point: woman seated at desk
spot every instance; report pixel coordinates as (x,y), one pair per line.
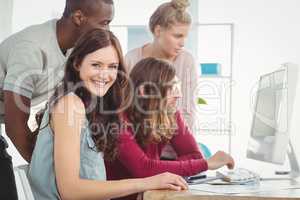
(152,121)
(67,161)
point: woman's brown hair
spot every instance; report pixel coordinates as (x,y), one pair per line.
(105,138)
(148,113)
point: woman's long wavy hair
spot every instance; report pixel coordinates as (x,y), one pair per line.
(148,113)
(104,138)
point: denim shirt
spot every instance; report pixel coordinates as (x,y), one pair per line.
(41,171)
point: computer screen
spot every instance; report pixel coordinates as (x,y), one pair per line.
(270,100)
(273,112)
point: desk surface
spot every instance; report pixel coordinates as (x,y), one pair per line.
(289,194)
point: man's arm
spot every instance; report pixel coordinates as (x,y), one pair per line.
(17,111)
(24,65)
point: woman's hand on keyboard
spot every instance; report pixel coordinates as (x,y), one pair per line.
(220,159)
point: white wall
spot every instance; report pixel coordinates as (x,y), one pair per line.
(6,8)
(266,34)
(137,12)
(26,13)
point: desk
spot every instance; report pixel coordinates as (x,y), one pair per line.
(290,194)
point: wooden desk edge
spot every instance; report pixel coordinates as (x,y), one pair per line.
(189,195)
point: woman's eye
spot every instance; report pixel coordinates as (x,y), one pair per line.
(113,66)
(105,23)
(95,65)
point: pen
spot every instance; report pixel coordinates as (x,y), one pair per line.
(191,178)
(204,180)
(196,177)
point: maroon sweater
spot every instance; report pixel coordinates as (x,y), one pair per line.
(136,162)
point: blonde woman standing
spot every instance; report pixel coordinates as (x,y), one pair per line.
(170,24)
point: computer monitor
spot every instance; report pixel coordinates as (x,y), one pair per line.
(274,118)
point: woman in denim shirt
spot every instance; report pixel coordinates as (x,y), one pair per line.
(80,123)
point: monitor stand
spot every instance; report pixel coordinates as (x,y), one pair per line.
(294,173)
(294,164)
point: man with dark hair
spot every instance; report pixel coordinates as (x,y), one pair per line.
(31,65)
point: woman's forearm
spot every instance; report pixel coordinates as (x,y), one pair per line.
(89,190)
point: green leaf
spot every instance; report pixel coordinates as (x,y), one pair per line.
(201,101)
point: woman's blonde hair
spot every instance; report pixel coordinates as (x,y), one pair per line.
(169,13)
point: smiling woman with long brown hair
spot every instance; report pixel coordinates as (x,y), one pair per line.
(67,161)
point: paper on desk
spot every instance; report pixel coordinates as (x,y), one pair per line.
(240,189)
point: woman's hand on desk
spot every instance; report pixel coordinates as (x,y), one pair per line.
(220,159)
(165,181)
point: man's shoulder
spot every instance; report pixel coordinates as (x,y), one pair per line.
(37,34)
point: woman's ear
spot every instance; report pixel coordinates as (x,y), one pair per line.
(76,65)
(157,30)
(78,18)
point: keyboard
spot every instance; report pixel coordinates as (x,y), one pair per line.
(239,176)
